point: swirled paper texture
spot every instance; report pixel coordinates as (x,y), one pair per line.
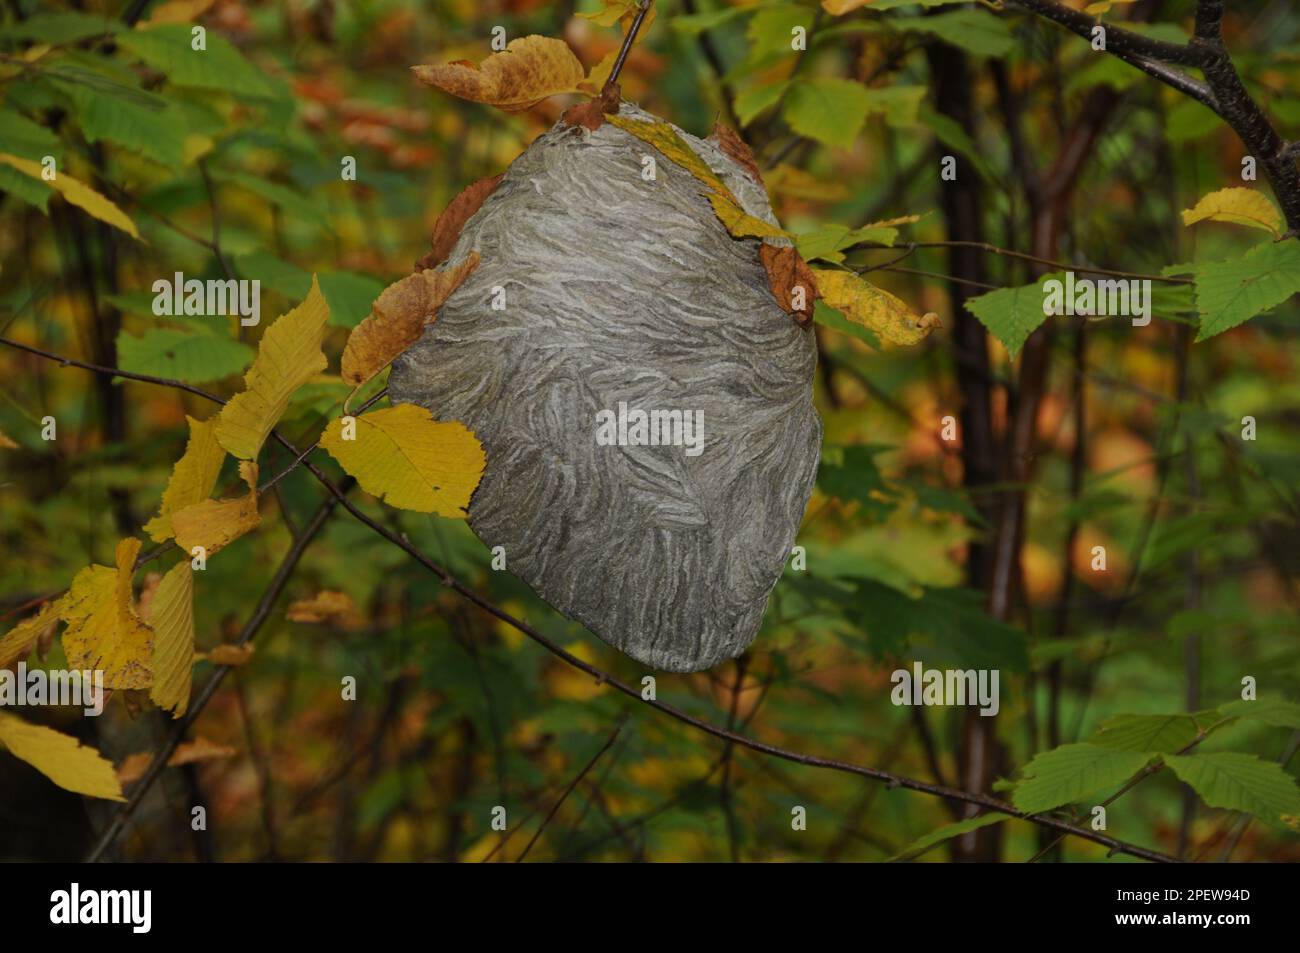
(623,290)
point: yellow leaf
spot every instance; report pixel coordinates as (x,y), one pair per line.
(215,524)
(77,193)
(7,442)
(740,223)
(599,74)
(177,11)
(61,758)
(410,460)
(103,630)
(290,353)
(192,478)
(398,317)
(18,641)
(664,137)
(1238,206)
(328,605)
(530,69)
(862,303)
(622,12)
(171,616)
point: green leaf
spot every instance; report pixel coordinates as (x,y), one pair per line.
(349,296)
(219,67)
(182,355)
(1229,293)
(829,110)
(1241,782)
(1071,772)
(951,134)
(850,473)
(24,137)
(940,627)
(1161,734)
(976,31)
(1281,714)
(900,104)
(1011,314)
(60,28)
(154,131)
(290,200)
(770,31)
(24,187)
(696,23)
(754,101)
(947,832)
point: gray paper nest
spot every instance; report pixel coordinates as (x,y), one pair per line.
(619,289)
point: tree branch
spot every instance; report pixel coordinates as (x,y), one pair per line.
(601,677)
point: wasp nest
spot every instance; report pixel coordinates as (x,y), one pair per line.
(608,288)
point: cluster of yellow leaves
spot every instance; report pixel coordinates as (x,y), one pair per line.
(665,139)
(76,192)
(1240,207)
(861,302)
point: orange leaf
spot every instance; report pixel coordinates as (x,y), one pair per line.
(529,70)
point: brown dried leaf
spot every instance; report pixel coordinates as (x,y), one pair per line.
(729,141)
(530,69)
(453,218)
(791,280)
(133,766)
(398,317)
(591,114)
(232,655)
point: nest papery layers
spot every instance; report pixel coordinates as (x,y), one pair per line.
(623,290)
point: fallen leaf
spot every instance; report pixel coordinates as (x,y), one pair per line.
(398,317)
(591,114)
(453,218)
(863,303)
(215,524)
(77,193)
(192,479)
(791,280)
(729,141)
(232,655)
(328,605)
(1238,206)
(171,615)
(61,758)
(530,69)
(103,630)
(289,354)
(410,460)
